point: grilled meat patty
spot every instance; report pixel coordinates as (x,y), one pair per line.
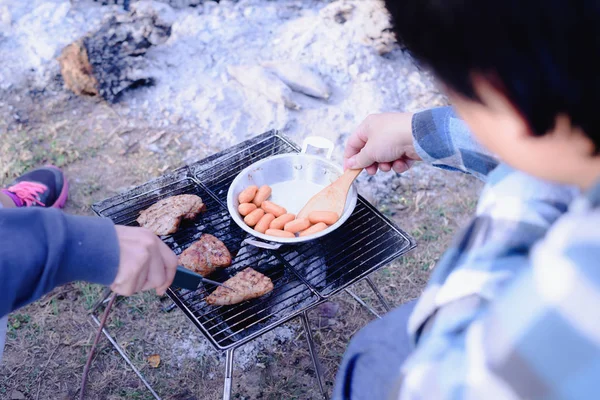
(205,255)
(247,284)
(164,217)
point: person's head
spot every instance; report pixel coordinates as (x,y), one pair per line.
(525,76)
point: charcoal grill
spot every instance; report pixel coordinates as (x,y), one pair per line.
(303,275)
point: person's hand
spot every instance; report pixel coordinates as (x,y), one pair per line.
(382,141)
(145,262)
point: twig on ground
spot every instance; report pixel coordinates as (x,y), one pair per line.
(88,364)
(41,375)
(14,371)
(130,149)
(49,299)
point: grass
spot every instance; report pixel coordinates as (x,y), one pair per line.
(28,149)
(48,340)
(89,292)
(17,321)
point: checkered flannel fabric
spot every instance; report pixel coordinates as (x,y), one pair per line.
(512,310)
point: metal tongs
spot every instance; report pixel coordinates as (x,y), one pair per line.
(187,279)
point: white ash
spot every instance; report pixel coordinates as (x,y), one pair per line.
(194,346)
(337,39)
(32,34)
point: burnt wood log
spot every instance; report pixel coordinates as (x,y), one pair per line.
(109,61)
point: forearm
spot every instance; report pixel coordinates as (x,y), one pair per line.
(442,139)
(41,249)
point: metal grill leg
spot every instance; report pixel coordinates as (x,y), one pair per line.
(313,354)
(362,303)
(124,356)
(228,374)
(103,299)
(379,295)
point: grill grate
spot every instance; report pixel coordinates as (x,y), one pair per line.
(303,276)
(217,172)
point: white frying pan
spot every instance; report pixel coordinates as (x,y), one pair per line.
(294,179)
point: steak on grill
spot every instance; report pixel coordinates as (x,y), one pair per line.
(205,255)
(164,217)
(247,284)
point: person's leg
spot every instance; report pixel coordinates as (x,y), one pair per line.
(372,361)
(41,187)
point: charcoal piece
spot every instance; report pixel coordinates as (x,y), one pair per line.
(124,3)
(110,60)
(172,3)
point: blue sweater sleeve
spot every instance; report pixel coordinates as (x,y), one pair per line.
(442,139)
(44,248)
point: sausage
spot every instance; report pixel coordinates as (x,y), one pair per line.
(264,223)
(279,233)
(314,229)
(263,194)
(297,225)
(246,208)
(255,216)
(247,195)
(279,222)
(329,217)
(273,208)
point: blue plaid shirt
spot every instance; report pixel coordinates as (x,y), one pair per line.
(512,310)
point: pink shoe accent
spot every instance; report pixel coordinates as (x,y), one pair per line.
(28,193)
(64,193)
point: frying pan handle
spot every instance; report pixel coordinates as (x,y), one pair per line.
(320,143)
(262,245)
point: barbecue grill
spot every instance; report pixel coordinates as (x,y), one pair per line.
(304,276)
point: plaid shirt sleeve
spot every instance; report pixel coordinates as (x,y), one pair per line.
(443,140)
(511,310)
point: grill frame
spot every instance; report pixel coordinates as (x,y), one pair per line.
(210,178)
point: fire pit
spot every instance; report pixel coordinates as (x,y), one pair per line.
(303,275)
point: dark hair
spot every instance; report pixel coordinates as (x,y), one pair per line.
(542,54)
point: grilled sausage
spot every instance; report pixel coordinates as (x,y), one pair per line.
(314,229)
(329,217)
(279,222)
(273,208)
(264,223)
(247,195)
(263,194)
(255,216)
(297,225)
(279,233)
(246,208)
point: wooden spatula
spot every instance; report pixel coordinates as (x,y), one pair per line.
(333,197)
